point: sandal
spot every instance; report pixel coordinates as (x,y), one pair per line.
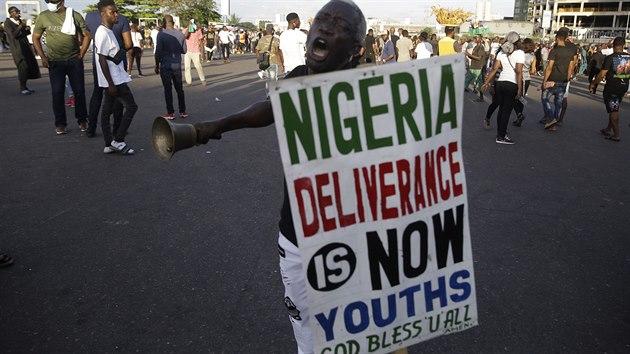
(122,148)
(605,132)
(613,138)
(5,260)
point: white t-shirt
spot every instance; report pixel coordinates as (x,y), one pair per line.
(154,33)
(404,45)
(293,47)
(508,65)
(136,37)
(224,37)
(424,50)
(105,43)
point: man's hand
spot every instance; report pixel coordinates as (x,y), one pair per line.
(157,69)
(112,91)
(207,131)
(44,61)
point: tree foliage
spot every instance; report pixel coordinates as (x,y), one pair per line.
(233,20)
(201,10)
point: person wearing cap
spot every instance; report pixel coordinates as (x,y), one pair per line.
(616,70)
(270,44)
(334,43)
(17,35)
(293,44)
(556,79)
(388,54)
(509,86)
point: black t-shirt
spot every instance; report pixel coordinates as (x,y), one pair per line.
(618,66)
(286,220)
(562,56)
(369,43)
(597,60)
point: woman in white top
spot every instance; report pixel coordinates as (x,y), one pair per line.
(529,68)
(509,86)
(136,52)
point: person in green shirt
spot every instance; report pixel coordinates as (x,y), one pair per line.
(67,41)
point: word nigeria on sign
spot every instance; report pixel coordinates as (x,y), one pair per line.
(373,164)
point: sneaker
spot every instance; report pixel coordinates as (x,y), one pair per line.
(122,147)
(505,141)
(486,123)
(544,120)
(204,83)
(519,120)
(25,92)
(551,123)
(168,116)
(83,126)
(140,75)
(183,115)
(109,150)
(30,90)
(70,102)
(60,130)
(188,84)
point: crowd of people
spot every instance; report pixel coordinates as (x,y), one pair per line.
(502,67)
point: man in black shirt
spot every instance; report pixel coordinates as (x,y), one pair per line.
(368,48)
(556,78)
(334,43)
(595,66)
(616,69)
(569,44)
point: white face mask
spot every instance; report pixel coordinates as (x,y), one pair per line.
(52,7)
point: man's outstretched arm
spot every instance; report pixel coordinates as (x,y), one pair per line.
(258,115)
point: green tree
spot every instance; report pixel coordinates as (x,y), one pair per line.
(250,26)
(134,9)
(233,20)
(200,10)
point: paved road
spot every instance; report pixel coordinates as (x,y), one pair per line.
(130,254)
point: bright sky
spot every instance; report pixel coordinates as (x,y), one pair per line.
(418,11)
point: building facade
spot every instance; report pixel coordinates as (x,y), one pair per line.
(587,19)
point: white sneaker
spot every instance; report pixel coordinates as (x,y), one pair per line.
(109,150)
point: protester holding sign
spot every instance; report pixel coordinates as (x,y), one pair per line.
(374,193)
(334,43)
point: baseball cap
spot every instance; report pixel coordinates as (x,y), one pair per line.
(512,37)
(384,33)
(269,27)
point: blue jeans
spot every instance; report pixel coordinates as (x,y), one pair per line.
(558,92)
(57,71)
(172,76)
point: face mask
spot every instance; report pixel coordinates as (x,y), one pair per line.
(52,7)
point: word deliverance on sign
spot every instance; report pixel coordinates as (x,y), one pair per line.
(375,176)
